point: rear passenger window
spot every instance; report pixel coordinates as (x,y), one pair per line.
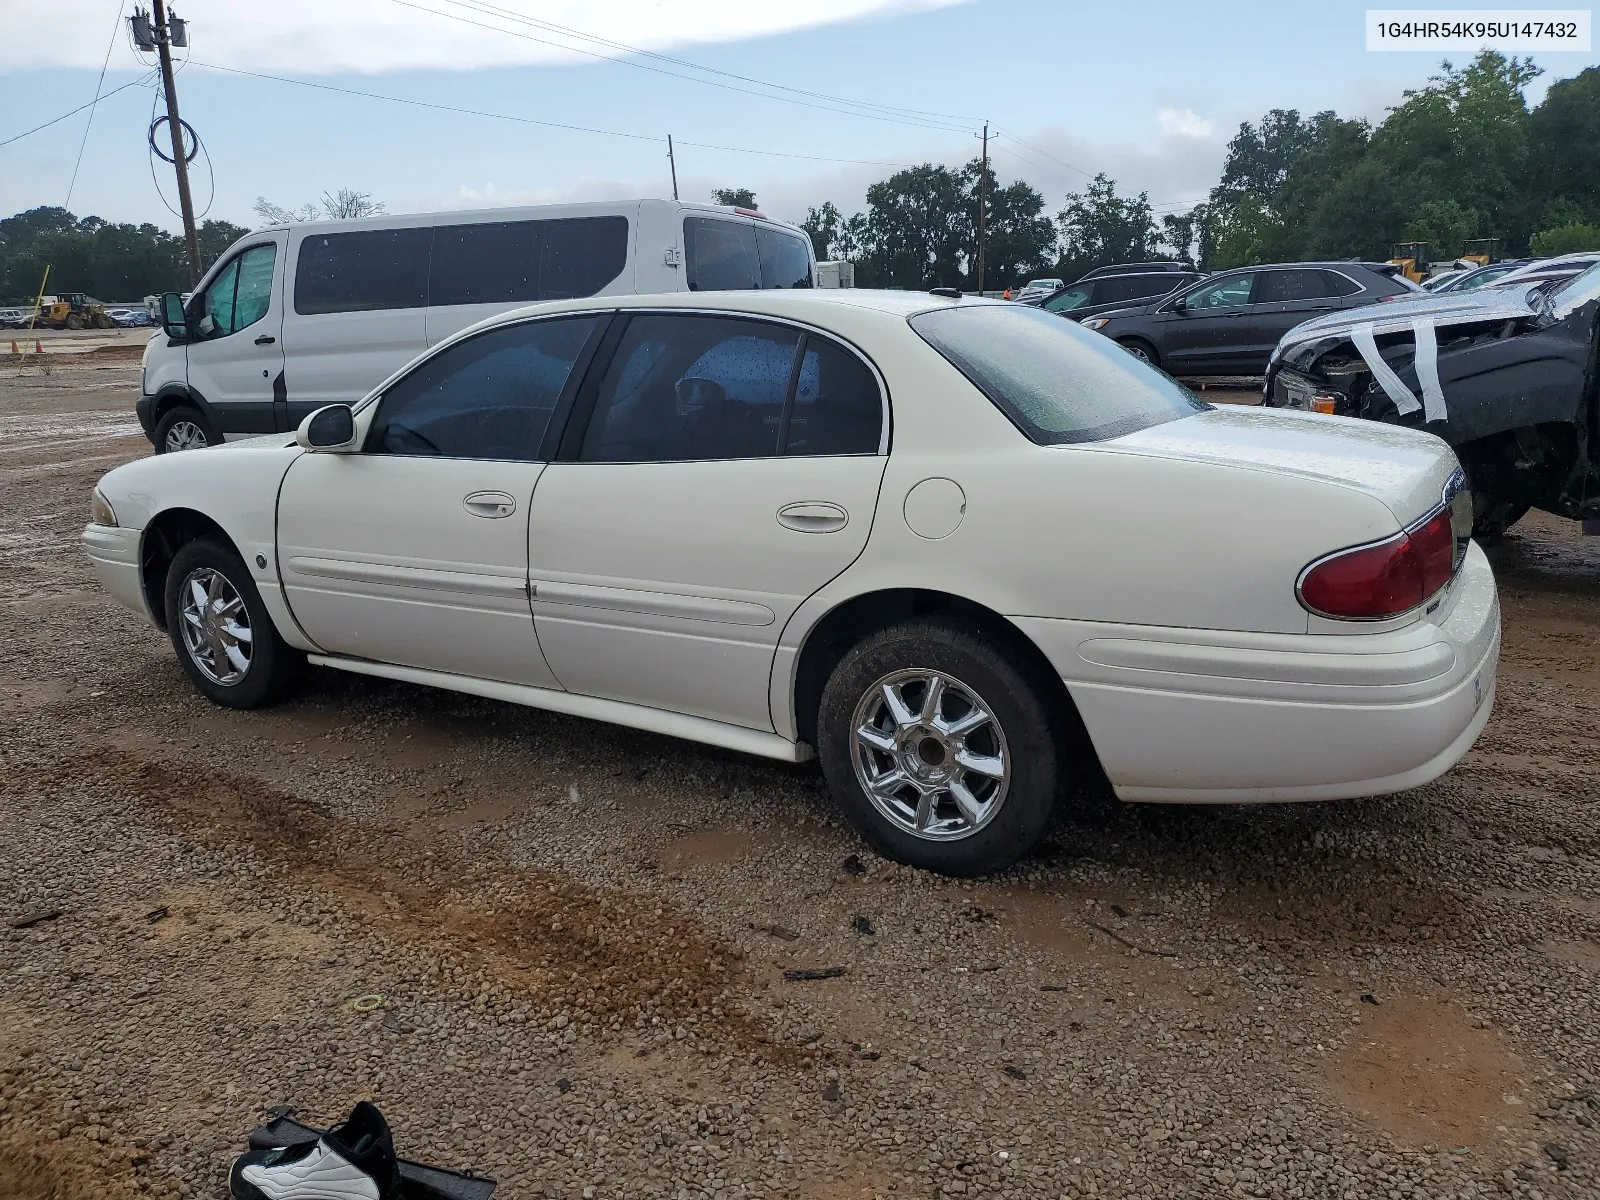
(720,256)
(838,408)
(361,271)
(785,260)
(490,396)
(1342,285)
(510,262)
(1301,283)
(690,387)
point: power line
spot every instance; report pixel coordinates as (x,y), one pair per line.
(478,112)
(483,6)
(116,28)
(918,124)
(143,79)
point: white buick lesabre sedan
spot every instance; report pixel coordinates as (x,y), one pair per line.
(966,553)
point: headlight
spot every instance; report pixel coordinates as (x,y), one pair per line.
(100,510)
(1095,322)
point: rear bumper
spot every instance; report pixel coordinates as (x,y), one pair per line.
(114,554)
(1198,716)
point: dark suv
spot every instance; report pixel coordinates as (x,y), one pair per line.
(1228,323)
(1093,295)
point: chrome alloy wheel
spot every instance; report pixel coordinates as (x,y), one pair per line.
(186,435)
(930,755)
(216,626)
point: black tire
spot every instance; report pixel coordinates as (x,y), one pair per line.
(272,667)
(1141,349)
(180,426)
(1007,685)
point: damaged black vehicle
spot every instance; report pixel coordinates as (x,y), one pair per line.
(1507,376)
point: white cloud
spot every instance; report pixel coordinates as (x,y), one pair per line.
(370,36)
(1183,122)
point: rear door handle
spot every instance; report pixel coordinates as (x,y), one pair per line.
(490,504)
(813,517)
(266,339)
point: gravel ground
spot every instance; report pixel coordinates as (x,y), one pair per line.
(555,951)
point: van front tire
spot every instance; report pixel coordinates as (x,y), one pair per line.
(183,428)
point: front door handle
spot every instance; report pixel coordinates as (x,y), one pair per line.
(490,504)
(813,517)
(266,339)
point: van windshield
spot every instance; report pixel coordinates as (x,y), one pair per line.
(1057,382)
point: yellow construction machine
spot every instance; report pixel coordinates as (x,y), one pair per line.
(73,310)
(1412,259)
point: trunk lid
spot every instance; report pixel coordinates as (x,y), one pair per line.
(1404,469)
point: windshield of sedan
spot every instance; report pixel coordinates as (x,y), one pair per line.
(1578,290)
(1057,382)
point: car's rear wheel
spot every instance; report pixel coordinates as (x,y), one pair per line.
(183,428)
(940,747)
(1140,349)
(225,640)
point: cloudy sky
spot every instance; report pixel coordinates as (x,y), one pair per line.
(486,102)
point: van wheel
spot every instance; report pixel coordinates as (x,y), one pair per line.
(183,428)
(940,747)
(225,640)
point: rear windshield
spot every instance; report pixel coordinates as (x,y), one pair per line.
(1055,380)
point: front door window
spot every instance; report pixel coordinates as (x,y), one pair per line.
(240,295)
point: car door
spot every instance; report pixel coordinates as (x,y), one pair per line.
(414,550)
(1285,297)
(235,362)
(1210,333)
(728,469)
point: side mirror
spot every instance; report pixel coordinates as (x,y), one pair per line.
(173,319)
(331,429)
(1179,304)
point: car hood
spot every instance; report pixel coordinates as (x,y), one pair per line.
(1452,308)
(1404,469)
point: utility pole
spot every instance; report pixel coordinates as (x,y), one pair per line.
(983,196)
(179,161)
(673,162)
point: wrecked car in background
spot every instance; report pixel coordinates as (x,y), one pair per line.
(1506,375)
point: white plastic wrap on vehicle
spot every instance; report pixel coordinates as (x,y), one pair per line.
(1361,338)
(1427,364)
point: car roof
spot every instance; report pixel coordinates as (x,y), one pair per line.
(799,304)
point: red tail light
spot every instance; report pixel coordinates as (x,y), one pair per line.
(1384,579)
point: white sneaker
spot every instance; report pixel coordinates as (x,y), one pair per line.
(352,1161)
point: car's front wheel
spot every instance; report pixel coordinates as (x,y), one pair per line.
(225,640)
(940,747)
(1140,349)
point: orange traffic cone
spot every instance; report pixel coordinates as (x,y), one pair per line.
(38,346)
(14,349)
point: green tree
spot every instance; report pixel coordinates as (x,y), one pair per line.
(1566,239)
(915,234)
(108,261)
(825,227)
(1019,239)
(734,197)
(1564,145)
(1098,227)
(1444,224)
(1179,230)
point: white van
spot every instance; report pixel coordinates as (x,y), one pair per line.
(294,317)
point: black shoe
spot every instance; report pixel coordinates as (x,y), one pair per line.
(352,1161)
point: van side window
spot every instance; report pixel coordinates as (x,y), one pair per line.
(362,271)
(729,256)
(785,261)
(488,397)
(509,262)
(720,256)
(241,294)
